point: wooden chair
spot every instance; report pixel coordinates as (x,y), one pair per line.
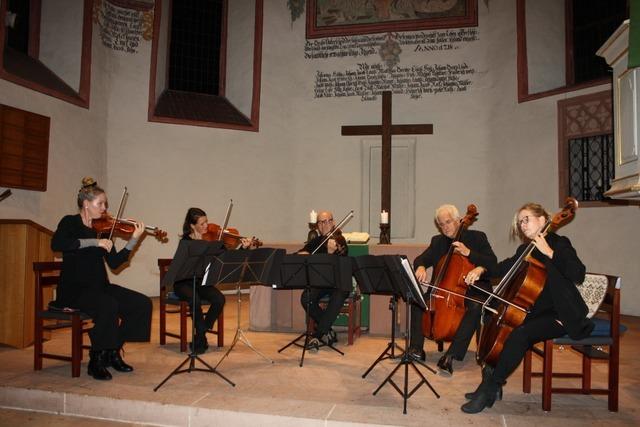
(47,277)
(605,334)
(351,309)
(181,307)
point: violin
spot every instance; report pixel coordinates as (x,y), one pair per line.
(124,227)
(446,303)
(517,292)
(336,235)
(230,236)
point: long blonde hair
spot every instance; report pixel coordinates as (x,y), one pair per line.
(534,208)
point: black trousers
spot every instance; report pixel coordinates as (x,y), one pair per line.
(184,290)
(540,328)
(468,326)
(119,315)
(323,318)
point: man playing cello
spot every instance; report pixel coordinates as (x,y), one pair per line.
(475,247)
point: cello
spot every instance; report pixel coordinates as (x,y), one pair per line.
(517,292)
(446,301)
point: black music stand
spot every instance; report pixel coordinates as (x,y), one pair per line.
(246,267)
(323,271)
(192,260)
(373,277)
(403,281)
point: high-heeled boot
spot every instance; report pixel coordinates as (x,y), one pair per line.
(486,372)
(98,365)
(485,397)
(116,362)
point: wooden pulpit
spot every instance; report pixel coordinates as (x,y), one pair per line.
(22,242)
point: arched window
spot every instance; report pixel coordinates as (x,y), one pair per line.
(206,63)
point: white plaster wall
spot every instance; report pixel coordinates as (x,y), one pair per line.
(545,44)
(61,38)
(486,149)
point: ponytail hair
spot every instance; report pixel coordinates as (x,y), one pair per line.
(193,214)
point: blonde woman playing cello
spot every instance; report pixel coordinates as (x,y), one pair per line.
(558,310)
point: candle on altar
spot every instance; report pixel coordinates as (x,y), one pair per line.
(384,217)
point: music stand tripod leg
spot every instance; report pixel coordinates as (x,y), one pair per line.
(192,357)
(389,351)
(405,361)
(239,335)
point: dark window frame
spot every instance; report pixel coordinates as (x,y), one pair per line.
(522,61)
(251,123)
(82,96)
(567,132)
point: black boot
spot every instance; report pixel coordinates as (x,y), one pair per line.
(200,344)
(487,371)
(484,398)
(98,360)
(446,363)
(116,362)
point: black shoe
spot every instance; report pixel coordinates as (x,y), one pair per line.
(201,344)
(116,362)
(446,364)
(485,398)
(332,337)
(97,365)
(417,354)
(487,371)
(313,344)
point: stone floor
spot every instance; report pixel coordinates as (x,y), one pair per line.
(327,391)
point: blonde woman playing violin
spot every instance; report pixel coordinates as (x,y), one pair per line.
(119,314)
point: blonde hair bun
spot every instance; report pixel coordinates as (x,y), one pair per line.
(88,181)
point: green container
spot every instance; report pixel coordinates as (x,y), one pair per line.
(357,250)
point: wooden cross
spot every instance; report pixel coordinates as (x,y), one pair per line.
(386,130)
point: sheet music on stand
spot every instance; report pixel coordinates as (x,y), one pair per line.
(417,293)
(396,270)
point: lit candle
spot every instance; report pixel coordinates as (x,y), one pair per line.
(313,217)
(384,217)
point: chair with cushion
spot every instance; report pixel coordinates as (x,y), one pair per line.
(181,307)
(602,295)
(49,318)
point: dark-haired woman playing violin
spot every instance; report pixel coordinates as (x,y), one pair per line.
(559,309)
(195,227)
(118,314)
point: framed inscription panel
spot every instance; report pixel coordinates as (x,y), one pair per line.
(331,18)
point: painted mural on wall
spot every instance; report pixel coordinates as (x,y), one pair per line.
(349,17)
(123,24)
(380,67)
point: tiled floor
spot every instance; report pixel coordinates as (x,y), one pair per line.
(327,390)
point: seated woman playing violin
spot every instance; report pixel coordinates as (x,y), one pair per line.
(196,227)
(558,310)
(118,314)
(324,318)
(474,246)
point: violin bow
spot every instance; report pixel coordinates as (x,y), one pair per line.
(226,219)
(120,209)
(456,294)
(344,222)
